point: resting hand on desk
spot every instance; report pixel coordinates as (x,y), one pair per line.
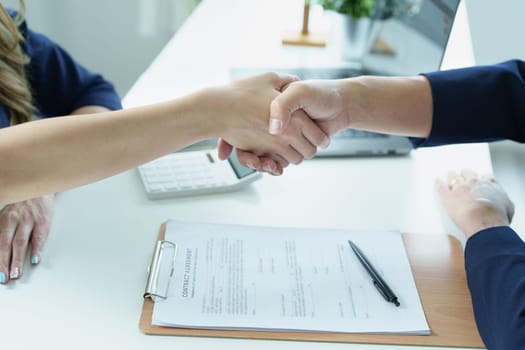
(474,203)
(23,223)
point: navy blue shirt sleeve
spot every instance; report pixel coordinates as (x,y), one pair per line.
(495,265)
(59,84)
(477,104)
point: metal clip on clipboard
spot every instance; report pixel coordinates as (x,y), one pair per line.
(152,286)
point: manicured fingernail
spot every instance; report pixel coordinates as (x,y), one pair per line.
(14,273)
(3,278)
(268,168)
(325,143)
(35,260)
(275,125)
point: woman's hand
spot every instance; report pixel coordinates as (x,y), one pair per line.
(474,203)
(20,224)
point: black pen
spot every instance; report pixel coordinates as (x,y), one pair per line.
(379,283)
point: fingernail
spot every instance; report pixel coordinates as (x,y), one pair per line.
(268,168)
(275,125)
(325,143)
(14,273)
(35,260)
(3,278)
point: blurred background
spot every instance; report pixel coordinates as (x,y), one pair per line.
(119,38)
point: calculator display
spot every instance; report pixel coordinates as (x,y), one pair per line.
(240,170)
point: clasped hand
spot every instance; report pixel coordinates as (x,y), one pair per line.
(318,104)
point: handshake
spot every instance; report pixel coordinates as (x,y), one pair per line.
(273,120)
(289,120)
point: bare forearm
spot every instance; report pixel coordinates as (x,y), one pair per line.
(56,154)
(394,105)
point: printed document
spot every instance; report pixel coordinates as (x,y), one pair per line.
(285,279)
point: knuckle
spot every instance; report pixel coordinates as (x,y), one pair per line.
(4,245)
(11,216)
(20,242)
(273,76)
(38,240)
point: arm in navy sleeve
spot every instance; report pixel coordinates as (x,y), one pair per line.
(477,104)
(59,84)
(495,265)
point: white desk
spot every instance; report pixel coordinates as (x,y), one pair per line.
(87,292)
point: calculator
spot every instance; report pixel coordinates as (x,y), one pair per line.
(194,172)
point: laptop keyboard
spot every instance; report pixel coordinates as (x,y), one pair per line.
(354,133)
(325,73)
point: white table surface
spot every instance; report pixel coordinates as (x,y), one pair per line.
(87,292)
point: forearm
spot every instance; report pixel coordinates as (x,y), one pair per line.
(393,105)
(92,109)
(55,154)
(474,104)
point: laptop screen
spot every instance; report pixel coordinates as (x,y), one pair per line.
(414,42)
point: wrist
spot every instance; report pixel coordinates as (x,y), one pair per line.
(482,222)
(201,109)
(352,93)
(211,112)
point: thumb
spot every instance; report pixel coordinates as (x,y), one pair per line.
(224,149)
(283,107)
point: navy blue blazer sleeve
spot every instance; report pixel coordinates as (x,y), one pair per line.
(477,104)
(59,84)
(495,265)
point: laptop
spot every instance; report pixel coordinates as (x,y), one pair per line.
(405,46)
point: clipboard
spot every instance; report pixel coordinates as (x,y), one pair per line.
(438,266)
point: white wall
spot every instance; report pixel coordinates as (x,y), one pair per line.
(498,29)
(118,38)
(498,34)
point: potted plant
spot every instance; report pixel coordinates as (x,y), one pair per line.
(356,22)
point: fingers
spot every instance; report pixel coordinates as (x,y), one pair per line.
(273,166)
(311,132)
(283,107)
(38,240)
(19,249)
(7,232)
(248,159)
(291,155)
(224,149)
(280,81)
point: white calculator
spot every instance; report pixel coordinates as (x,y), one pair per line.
(192,173)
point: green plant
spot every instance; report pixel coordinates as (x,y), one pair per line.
(354,8)
(382,9)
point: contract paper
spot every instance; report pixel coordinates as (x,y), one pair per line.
(285,279)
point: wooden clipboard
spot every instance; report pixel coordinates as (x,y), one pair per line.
(438,266)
